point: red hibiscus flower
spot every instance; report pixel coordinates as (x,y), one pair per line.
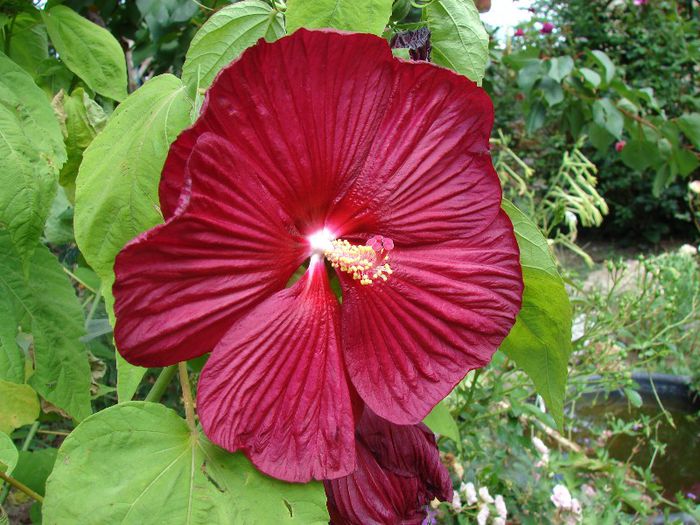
(323,147)
(398,473)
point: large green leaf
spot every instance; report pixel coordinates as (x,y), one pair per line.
(29,44)
(81,119)
(459,39)
(46,305)
(117,186)
(34,467)
(31,153)
(138,460)
(8,454)
(11,357)
(540,341)
(225,36)
(362,16)
(89,51)
(604,61)
(20,406)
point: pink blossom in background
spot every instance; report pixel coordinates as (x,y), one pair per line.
(620,145)
(547,28)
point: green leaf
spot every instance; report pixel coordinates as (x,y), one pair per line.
(225,36)
(590,76)
(20,406)
(11,356)
(122,463)
(34,467)
(599,137)
(535,117)
(54,317)
(128,377)
(540,341)
(685,161)
(160,15)
(259,498)
(8,454)
(560,67)
(361,16)
(633,397)
(31,153)
(458,37)
(604,61)
(530,74)
(117,185)
(606,115)
(690,126)
(29,45)
(441,422)
(552,90)
(639,154)
(59,223)
(81,119)
(89,51)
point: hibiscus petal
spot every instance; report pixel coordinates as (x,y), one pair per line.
(398,473)
(430,169)
(275,386)
(180,286)
(444,311)
(302,111)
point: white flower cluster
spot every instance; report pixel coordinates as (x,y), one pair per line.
(484,501)
(570,508)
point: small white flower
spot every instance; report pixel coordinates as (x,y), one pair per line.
(483,514)
(688,249)
(456,501)
(576,507)
(540,446)
(459,470)
(561,497)
(694,186)
(498,521)
(469,492)
(501,507)
(484,495)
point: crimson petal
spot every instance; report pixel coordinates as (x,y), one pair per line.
(275,386)
(398,473)
(444,311)
(302,110)
(429,171)
(181,285)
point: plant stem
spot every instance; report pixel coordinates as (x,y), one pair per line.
(158,389)
(187,396)
(93,307)
(30,436)
(21,486)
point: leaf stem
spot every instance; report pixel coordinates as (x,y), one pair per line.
(187,396)
(21,486)
(158,389)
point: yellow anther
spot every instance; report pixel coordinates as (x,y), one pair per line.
(364,263)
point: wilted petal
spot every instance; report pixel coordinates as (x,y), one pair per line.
(398,473)
(444,311)
(181,285)
(275,386)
